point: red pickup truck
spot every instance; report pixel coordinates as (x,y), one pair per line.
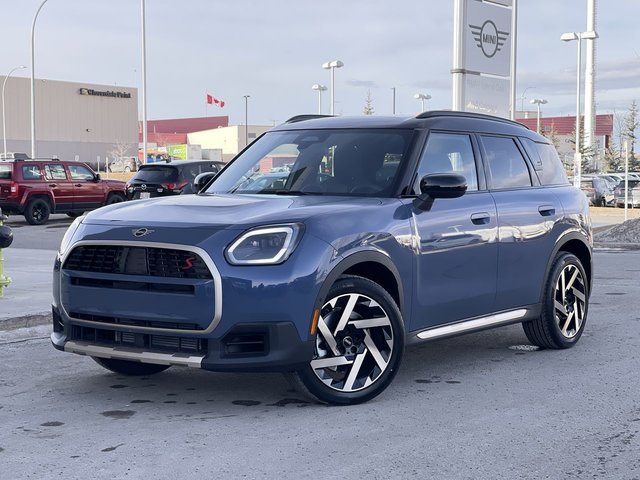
(38,188)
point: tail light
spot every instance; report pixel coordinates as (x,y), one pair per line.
(13,189)
(174,186)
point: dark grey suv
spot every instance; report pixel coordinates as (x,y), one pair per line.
(381,232)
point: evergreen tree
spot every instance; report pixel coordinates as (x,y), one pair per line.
(368,104)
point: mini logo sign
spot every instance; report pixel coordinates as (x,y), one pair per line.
(108,93)
(488,38)
(141,232)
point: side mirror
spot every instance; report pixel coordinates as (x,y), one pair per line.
(97,178)
(6,236)
(202,180)
(440,185)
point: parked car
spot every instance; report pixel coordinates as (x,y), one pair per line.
(597,190)
(329,277)
(633,199)
(38,188)
(123,164)
(168,178)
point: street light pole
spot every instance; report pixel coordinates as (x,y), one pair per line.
(538,102)
(332,66)
(144,84)
(320,89)
(393,109)
(33,82)
(422,97)
(4,119)
(568,37)
(246,119)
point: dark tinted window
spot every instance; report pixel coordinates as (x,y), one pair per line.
(448,152)
(507,166)
(31,172)
(546,162)
(157,174)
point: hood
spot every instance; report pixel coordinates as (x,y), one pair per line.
(222,211)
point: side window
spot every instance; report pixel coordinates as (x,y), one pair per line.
(446,153)
(54,172)
(79,172)
(507,167)
(31,172)
(546,162)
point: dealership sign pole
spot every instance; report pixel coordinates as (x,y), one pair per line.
(144,87)
(484,56)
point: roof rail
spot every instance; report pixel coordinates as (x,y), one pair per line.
(308,116)
(452,113)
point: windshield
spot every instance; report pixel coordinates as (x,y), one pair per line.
(330,162)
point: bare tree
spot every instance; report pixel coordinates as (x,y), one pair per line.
(368,104)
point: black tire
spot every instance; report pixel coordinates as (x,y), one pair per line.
(114,198)
(37,211)
(74,214)
(125,367)
(127,169)
(367,374)
(563,307)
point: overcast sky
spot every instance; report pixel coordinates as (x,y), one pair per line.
(273,51)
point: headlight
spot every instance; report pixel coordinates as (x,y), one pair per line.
(264,245)
(66,240)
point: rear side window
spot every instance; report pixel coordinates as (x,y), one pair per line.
(5,172)
(507,167)
(157,174)
(55,172)
(31,172)
(546,162)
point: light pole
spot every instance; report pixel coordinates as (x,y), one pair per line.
(144,83)
(319,88)
(577,159)
(522,97)
(538,102)
(393,102)
(4,120)
(422,97)
(332,66)
(33,82)
(246,119)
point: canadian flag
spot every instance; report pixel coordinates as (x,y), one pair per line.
(211,100)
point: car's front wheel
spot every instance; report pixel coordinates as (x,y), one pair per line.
(126,367)
(359,344)
(565,305)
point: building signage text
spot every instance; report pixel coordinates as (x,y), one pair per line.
(108,93)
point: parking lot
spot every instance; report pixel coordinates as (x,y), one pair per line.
(480,406)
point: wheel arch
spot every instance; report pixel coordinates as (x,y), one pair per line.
(577,245)
(372,265)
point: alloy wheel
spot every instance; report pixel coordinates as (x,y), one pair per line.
(354,343)
(569,301)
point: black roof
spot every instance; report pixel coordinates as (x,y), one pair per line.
(437,119)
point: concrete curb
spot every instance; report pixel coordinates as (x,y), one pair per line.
(25,321)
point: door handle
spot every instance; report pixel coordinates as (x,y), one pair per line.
(546,210)
(53,185)
(77,185)
(480,218)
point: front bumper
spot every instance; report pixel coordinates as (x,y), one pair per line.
(247,347)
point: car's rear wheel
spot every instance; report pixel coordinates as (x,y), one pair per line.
(565,305)
(125,367)
(74,214)
(37,211)
(359,344)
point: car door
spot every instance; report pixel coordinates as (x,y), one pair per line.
(456,248)
(88,192)
(60,185)
(527,216)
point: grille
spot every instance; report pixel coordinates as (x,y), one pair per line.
(156,262)
(159,343)
(135,323)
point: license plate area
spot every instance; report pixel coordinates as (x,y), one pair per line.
(145,195)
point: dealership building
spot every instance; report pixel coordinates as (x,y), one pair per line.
(74,121)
